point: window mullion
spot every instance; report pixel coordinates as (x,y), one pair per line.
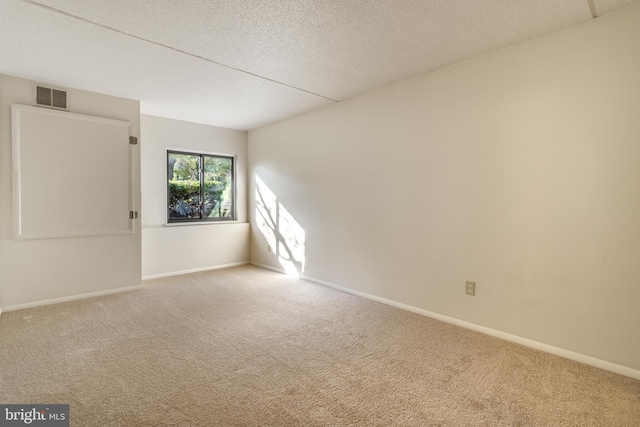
(201,172)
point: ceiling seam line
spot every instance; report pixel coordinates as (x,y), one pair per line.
(203,58)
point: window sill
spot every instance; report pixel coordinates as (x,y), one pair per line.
(189,224)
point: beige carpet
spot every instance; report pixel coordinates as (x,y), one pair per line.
(249,347)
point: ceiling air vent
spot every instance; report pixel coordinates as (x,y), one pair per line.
(52,98)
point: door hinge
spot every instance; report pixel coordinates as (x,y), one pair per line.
(133,214)
(133,140)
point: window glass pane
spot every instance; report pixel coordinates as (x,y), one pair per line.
(217,187)
(184,186)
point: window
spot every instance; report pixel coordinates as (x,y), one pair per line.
(200,187)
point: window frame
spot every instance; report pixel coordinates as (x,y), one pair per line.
(202,220)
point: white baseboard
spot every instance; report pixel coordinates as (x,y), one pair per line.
(567,354)
(70,298)
(269,267)
(193,270)
(113,291)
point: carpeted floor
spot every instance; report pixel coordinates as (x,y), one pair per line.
(249,347)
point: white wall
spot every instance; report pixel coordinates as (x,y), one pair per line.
(518,170)
(176,249)
(35,271)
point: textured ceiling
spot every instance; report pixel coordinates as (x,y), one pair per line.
(245,63)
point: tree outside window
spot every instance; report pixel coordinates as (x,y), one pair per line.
(200,187)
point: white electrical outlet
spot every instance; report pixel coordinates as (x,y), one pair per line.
(471,288)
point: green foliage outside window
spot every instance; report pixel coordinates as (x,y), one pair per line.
(185,192)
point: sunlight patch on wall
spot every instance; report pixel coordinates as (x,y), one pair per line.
(266,213)
(283,234)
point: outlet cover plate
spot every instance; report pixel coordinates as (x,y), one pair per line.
(470,288)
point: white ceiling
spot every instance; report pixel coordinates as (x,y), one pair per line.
(245,63)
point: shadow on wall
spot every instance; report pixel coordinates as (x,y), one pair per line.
(284,236)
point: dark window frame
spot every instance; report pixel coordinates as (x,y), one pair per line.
(201,218)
